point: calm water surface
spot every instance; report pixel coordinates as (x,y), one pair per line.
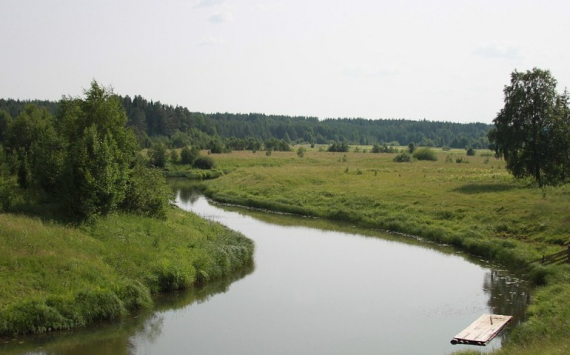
(316,288)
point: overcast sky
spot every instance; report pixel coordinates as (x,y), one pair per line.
(439,60)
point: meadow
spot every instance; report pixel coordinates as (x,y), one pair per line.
(469,202)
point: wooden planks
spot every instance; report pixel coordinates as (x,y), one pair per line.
(482,331)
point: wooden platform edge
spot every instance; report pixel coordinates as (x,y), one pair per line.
(482,330)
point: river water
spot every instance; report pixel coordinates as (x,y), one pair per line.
(316,288)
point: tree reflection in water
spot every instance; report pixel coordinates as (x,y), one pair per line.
(120,337)
(508,295)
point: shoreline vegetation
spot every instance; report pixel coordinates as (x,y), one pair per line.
(58,277)
(87,233)
(469,202)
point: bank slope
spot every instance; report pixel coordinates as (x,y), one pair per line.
(58,277)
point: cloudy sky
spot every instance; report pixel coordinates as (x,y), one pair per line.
(444,60)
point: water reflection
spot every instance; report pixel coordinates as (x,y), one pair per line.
(508,294)
(120,337)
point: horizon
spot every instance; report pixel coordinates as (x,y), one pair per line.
(441,61)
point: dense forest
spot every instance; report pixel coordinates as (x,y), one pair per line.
(177,127)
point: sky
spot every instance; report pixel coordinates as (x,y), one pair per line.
(440,60)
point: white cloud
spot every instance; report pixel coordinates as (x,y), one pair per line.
(225,16)
(499,51)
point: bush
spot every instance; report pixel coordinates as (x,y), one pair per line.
(204,163)
(188,155)
(174,156)
(470,152)
(425,154)
(147,193)
(403,157)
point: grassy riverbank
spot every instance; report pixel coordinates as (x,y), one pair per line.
(470,202)
(59,277)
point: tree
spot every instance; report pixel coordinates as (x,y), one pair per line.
(158,155)
(99,153)
(531,130)
(5,122)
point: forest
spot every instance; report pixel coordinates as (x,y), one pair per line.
(177,127)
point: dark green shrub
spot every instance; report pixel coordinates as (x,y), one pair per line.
(204,163)
(188,155)
(174,156)
(425,154)
(403,157)
(539,275)
(147,193)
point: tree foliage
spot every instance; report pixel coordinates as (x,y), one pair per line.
(84,158)
(153,120)
(532,130)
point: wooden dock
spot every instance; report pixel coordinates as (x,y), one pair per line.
(482,331)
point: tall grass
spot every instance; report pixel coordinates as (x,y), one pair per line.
(56,277)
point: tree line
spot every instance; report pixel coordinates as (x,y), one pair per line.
(177,126)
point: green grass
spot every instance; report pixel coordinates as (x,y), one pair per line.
(60,277)
(470,202)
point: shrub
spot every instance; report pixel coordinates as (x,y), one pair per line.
(147,193)
(301,152)
(403,157)
(204,163)
(174,156)
(470,152)
(425,154)
(188,155)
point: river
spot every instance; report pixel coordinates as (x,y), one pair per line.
(317,287)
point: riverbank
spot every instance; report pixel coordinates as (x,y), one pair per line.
(471,203)
(56,277)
